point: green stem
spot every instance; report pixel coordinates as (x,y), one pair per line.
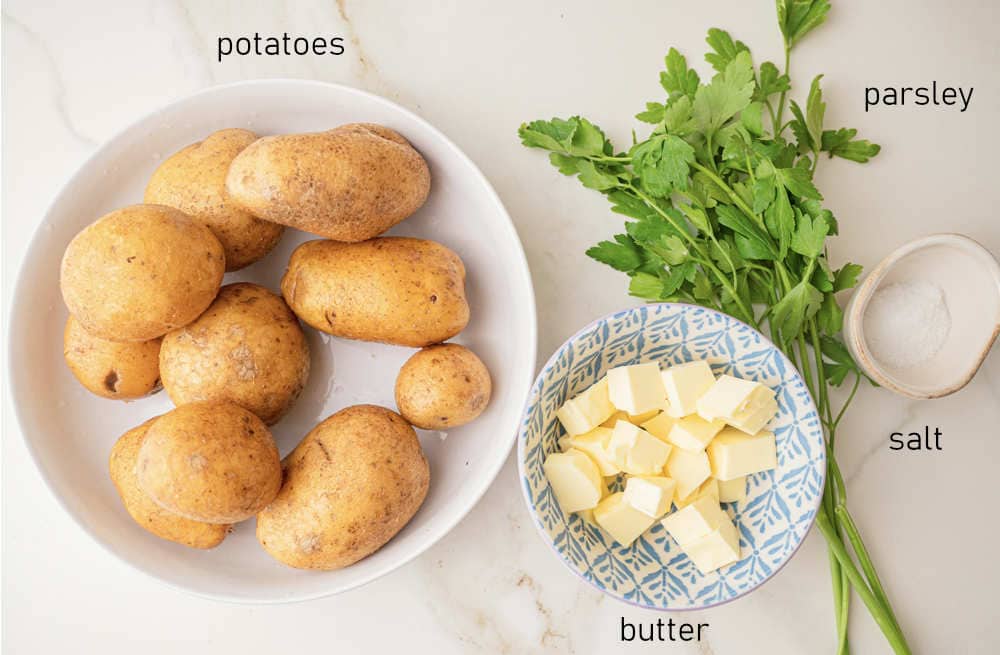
(875,607)
(865,560)
(850,397)
(781,98)
(844,614)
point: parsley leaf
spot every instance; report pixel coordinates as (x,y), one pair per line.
(725,49)
(846,277)
(810,233)
(678,79)
(771,82)
(622,254)
(796,18)
(662,164)
(728,94)
(841,143)
(796,307)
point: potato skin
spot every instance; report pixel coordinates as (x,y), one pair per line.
(112,369)
(351,484)
(141,271)
(141,507)
(247,348)
(209,461)
(442,386)
(350,183)
(398,290)
(193,180)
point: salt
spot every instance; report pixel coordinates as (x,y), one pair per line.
(906,323)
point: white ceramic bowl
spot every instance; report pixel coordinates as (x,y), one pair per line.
(70,432)
(969,278)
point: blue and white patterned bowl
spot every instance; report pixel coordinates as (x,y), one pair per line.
(780,506)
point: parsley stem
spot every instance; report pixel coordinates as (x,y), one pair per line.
(850,397)
(781,98)
(875,607)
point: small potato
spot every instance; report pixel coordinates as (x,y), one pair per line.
(350,184)
(210,461)
(398,290)
(351,484)
(193,180)
(139,272)
(442,386)
(247,348)
(112,369)
(141,507)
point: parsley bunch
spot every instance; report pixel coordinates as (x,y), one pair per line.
(722,211)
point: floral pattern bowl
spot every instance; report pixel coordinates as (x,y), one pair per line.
(780,506)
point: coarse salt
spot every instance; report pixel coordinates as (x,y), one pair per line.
(906,323)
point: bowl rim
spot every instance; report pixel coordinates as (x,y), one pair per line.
(854,331)
(429,537)
(523,476)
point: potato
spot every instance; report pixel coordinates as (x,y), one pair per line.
(409,292)
(350,184)
(209,461)
(139,272)
(141,507)
(112,369)
(442,386)
(247,348)
(193,180)
(352,483)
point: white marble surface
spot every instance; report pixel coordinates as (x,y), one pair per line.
(74,73)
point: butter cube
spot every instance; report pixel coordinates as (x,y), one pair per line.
(575,479)
(733,491)
(636,389)
(709,487)
(688,469)
(595,443)
(684,384)
(716,549)
(588,410)
(733,454)
(659,426)
(693,522)
(752,420)
(693,432)
(622,521)
(638,419)
(636,451)
(729,396)
(650,495)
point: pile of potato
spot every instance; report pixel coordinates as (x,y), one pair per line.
(143,285)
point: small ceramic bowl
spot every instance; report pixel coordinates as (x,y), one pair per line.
(781,504)
(969,278)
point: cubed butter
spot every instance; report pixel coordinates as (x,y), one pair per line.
(753,419)
(639,419)
(733,454)
(596,444)
(716,549)
(689,469)
(636,389)
(733,491)
(636,451)
(693,432)
(684,384)
(622,521)
(588,410)
(650,494)
(693,522)
(575,479)
(709,487)
(659,426)
(729,396)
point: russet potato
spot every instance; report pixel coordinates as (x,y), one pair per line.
(247,348)
(141,271)
(409,292)
(144,510)
(209,461)
(350,485)
(193,180)
(121,370)
(350,183)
